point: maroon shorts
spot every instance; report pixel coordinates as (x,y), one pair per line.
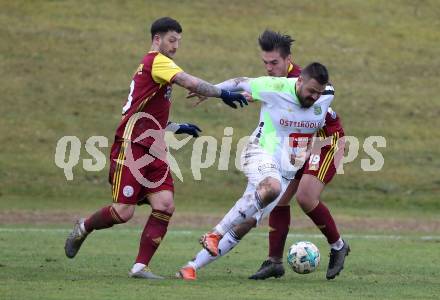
(324,160)
(133,181)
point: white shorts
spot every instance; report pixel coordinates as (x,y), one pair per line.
(257,165)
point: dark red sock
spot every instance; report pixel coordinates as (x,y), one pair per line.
(279,222)
(153,233)
(322,218)
(103,218)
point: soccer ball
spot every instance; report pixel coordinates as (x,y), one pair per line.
(303,257)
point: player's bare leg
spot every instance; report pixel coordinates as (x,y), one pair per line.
(267,191)
(162,205)
(308,197)
(106,217)
(279,222)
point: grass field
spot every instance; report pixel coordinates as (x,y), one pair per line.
(66,68)
(380,268)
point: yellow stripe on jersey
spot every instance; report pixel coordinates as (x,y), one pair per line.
(141,107)
(321,133)
(118,172)
(331,153)
(164,69)
(328,157)
(121,157)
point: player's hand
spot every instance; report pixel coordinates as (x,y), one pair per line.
(192,95)
(229,98)
(189,129)
(248,97)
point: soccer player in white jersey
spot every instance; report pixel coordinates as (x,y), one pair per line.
(292,110)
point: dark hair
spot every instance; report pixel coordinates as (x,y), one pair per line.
(163,25)
(270,40)
(316,71)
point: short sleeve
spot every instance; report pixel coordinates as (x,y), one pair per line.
(164,69)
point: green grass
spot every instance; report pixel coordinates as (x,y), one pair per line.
(67,66)
(33,266)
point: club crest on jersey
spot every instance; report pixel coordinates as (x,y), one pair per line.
(317,109)
(128,191)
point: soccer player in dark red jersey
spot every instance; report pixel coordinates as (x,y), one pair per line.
(308,184)
(139,172)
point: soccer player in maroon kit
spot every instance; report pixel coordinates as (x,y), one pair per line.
(310,181)
(139,172)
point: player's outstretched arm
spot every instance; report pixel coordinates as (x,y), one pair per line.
(236,84)
(233,85)
(196,85)
(204,88)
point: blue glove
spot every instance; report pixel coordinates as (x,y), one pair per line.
(229,97)
(189,129)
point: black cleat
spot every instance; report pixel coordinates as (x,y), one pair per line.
(336,262)
(268,269)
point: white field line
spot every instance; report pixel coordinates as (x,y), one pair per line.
(191,232)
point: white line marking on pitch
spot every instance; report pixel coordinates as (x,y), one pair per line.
(291,235)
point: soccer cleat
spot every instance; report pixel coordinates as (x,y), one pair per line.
(187,273)
(336,262)
(145,273)
(268,269)
(75,240)
(210,241)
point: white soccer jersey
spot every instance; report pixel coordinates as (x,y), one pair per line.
(286,129)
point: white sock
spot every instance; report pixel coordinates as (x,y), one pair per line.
(243,209)
(202,259)
(137,267)
(337,245)
(226,244)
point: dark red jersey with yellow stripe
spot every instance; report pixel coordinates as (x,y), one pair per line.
(146,112)
(332,121)
(293,71)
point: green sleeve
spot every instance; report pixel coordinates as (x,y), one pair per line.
(269,84)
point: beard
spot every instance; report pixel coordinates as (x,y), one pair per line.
(168,53)
(306,102)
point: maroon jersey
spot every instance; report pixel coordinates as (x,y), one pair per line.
(332,124)
(293,71)
(150,93)
(332,121)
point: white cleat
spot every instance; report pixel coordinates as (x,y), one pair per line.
(145,273)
